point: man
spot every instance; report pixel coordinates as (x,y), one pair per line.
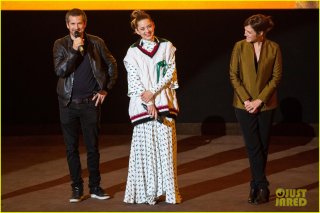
(86,71)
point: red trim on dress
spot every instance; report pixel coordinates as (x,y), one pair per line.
(158,108)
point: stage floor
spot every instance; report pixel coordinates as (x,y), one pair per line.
(213,174)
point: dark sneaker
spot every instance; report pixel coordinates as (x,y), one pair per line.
(98,193)
(77,195)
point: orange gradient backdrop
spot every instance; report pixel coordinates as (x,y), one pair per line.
(145,5)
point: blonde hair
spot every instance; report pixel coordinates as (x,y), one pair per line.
(138,15)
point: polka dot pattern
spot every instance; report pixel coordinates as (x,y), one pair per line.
(135,87)
(153,164)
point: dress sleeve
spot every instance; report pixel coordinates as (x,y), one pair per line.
(170,73)
(135,86)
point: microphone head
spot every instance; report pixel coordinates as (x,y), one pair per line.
(77,34)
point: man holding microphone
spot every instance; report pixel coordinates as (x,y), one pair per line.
(87,71)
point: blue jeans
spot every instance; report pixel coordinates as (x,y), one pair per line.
(256,132)
(87,117)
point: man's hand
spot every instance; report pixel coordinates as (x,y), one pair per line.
(77,42)
(99,97)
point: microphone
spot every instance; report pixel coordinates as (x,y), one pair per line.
(80,48)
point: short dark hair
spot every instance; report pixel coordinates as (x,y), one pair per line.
(259,23)
(76,12)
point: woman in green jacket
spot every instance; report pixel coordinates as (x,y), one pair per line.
(255,73)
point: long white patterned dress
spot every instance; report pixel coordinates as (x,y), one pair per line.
(153,156)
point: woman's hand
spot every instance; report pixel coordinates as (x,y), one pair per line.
(152,110)
(146,96)
(253,106)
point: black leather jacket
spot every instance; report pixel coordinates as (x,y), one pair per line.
(103,65)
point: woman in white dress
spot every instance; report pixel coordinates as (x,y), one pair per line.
(152,80)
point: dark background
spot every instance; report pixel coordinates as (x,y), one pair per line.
(204,41)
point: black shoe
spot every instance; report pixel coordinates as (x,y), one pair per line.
(77,195)
(252,195)
(262,196)
(97,192)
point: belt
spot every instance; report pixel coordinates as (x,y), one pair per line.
(82,100)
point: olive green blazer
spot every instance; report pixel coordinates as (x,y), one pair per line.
(249,83)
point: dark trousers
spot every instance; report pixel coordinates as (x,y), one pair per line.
(87,117)
(256,132)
